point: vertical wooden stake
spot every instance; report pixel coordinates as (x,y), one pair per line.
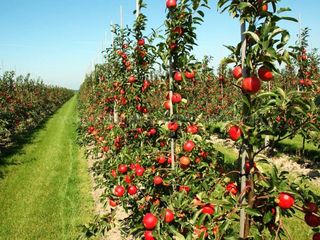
(112,34)
(222,93)
(244,153)
(115,113)
(171,109)
(137,8)
(121,17)
(267,138)
(300,43)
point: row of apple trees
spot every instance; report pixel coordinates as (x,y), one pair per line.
(24,103)
(150,137)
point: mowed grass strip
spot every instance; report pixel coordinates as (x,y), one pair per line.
(45,192)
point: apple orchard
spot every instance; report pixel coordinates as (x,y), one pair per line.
(150,132)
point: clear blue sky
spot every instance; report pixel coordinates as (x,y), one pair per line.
(58,40)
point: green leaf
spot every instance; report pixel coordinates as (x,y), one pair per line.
(275,32)
(243,5)
(231,48)
(221,3)
(286,56)
(266,94)
(176,234)
(281,10)
(281,93)
(253,35)
(201,13)
(274,175)
(289,19)
(195,217)
(253,212)
(271,52)
(267,217)
(227,60)
(299,109)
(265,44)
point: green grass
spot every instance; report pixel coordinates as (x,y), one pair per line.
(229,153)
(297,141)
(45,187)
(294,146)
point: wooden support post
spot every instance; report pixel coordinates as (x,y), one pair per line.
(243,178)
(137,8)
(171,109)
(121,17)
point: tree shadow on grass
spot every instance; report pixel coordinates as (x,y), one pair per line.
(16,148)
(313,155)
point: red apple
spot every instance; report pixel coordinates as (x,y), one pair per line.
(141,42)
(157,180)
(139,171)
(168,216)
(173,126)
(189,75)
(237,72)
(251,84)
(105,149)
(265,74)
(311,207)
(235,132)
(316,236)
(207,209)
(178,30)
(114,173)
(188,146)
(184,188)
(119,191)
(132,79)
(232,188)
(184,162)
(148,235)
(132,190)
(161,159)
(285,200)
(312,220)
(127,179)
(192,129)
(176,98)
(122,168)
(112,203)
(173,46)
(171,3)
(177,76)
(152,132)
(167,105)
(150,221)
(263,7)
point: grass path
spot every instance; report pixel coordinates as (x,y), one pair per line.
(45,191)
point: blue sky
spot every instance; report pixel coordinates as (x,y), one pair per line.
(58,40)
